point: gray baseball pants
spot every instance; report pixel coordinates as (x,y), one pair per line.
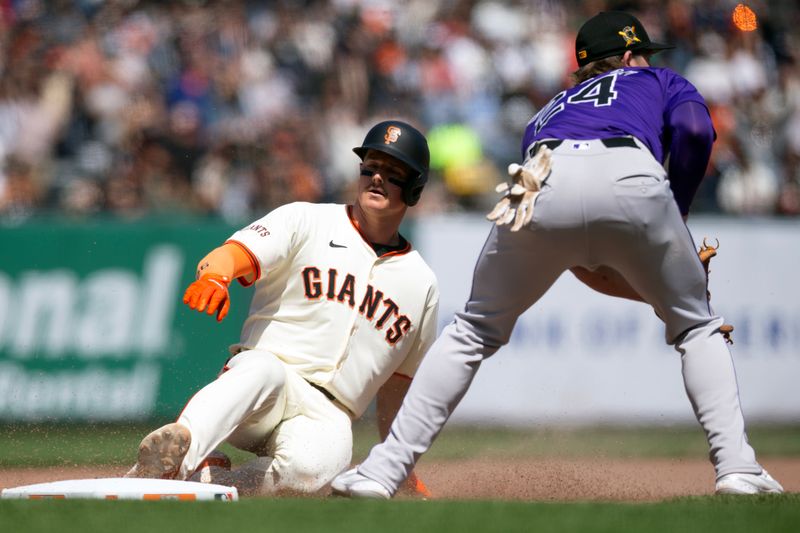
(600,206)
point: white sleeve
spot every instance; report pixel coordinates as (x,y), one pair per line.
(271,239)
(426,336)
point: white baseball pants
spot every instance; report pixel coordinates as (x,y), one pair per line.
(600,206)
(260,405)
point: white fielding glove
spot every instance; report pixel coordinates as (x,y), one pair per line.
(519,196)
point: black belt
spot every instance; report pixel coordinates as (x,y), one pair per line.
(327,394)
(619,142)
(611,142)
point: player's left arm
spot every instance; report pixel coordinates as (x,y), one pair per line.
(691,134)
(388,401)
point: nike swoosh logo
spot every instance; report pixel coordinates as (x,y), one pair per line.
(334,245)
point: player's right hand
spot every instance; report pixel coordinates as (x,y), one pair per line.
(209,293)
(519,196)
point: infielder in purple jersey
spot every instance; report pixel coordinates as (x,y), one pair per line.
(605,209)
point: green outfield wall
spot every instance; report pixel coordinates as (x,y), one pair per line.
(91,321)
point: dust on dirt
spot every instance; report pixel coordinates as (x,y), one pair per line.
(547,479)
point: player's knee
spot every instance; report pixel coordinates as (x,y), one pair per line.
(258,368)
(308,473)
(301,476)
(304,481)
(483,335)
(704,328)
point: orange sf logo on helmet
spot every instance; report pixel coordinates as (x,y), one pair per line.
(392,134)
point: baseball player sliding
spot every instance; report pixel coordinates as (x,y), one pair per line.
(605,209)
(343,310)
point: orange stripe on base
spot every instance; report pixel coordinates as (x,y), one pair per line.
(181,497)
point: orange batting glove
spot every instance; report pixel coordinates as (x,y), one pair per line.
(211,292)
(416,487)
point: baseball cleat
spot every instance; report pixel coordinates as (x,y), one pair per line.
(739,483)
(355,485)
(161,452)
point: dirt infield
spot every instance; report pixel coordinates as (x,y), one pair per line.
(536,479)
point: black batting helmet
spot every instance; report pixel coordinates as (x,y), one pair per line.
(405,143)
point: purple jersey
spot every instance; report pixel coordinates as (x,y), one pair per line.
(628,101)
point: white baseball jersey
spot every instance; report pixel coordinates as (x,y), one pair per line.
(332,310)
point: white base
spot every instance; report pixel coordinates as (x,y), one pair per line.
(123,489)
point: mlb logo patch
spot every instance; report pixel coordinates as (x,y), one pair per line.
(580,146)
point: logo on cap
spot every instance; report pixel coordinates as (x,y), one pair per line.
(392,134)
(629,34)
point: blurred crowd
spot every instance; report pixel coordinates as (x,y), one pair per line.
(232,107)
